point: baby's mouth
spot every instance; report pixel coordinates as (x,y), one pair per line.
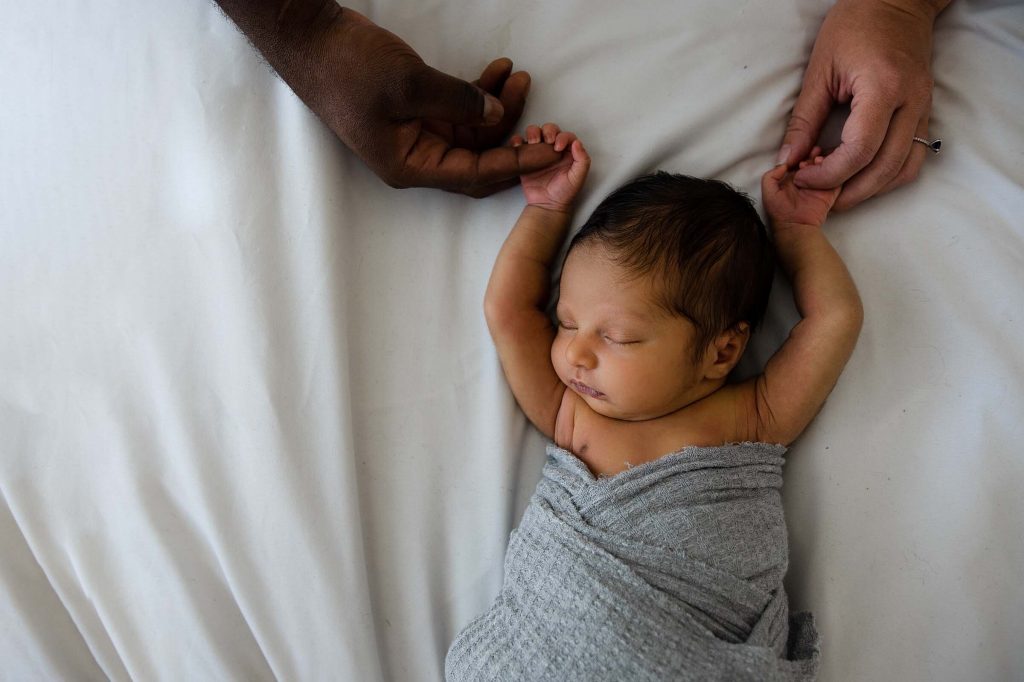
(580,387)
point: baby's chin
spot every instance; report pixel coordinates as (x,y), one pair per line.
(606,408)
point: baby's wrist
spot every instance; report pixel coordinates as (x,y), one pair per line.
(547,220)
(789,227)
(551,208)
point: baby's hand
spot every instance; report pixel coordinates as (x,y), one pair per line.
(786,203)
(555,187)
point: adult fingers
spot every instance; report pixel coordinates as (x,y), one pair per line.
(862,137)
(512,90)
(886,164)
(915,160)
(433,163)
(494,75)
(434,94)
(911,166)
(476,137)
(809,115)
(488,190)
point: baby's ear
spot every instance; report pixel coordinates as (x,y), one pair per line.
(726,350)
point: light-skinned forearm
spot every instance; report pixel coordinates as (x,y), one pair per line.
(926,9)
(521,279)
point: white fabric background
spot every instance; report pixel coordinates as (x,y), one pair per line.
(251,422)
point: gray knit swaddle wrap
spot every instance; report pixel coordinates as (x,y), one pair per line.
(671,570)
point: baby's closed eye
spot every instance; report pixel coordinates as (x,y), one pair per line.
(621,339)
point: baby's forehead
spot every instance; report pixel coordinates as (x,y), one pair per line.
(610,290)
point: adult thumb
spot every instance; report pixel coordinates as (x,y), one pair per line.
(436,95)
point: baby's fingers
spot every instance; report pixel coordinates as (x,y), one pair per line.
(550,131)
(564,140)
(580,163)
(774,176)
(533,134)
(516,140)
(579,154)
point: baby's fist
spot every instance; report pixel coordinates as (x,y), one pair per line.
(555,187)
(786,203)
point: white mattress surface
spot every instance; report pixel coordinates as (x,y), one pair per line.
(251,422)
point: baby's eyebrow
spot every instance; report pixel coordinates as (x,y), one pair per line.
(634,316)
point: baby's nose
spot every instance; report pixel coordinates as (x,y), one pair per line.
(579,354)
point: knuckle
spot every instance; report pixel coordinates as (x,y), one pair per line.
(889,168)
(927,83)
(394,175)
(469,99)
(797,124)
(907,175)
(860,153)
(921,92)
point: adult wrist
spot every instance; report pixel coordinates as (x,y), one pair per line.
(926,10)
(280,29)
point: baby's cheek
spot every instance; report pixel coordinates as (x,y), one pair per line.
(557,354)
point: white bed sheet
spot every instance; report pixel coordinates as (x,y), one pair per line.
(251,422)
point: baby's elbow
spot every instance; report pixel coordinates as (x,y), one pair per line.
(857,321)
(856,316)
(494,311)
(847,317)
(499,315)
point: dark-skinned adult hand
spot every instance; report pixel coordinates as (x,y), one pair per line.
(413,125)
(876,55)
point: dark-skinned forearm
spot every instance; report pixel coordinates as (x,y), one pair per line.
(288,33)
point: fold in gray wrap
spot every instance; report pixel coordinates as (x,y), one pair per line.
(671,570)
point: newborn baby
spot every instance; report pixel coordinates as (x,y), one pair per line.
(655,545)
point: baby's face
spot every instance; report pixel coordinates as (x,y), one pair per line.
(625,355)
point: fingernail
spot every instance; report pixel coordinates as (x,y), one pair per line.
(493,111)
(783,156)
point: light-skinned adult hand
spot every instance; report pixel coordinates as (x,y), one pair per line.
(413,125)
(875,55)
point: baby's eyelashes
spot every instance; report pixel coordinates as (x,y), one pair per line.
(621,341)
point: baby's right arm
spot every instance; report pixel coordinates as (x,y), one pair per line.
(798,378)
(517,294)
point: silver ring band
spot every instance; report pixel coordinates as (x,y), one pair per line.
(935,145)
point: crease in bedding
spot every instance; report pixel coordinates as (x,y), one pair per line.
(669,570)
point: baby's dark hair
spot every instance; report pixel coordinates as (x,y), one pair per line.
(704,238)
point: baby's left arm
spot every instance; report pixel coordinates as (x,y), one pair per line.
(783,400)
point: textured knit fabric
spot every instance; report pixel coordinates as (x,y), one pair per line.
(671,570)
